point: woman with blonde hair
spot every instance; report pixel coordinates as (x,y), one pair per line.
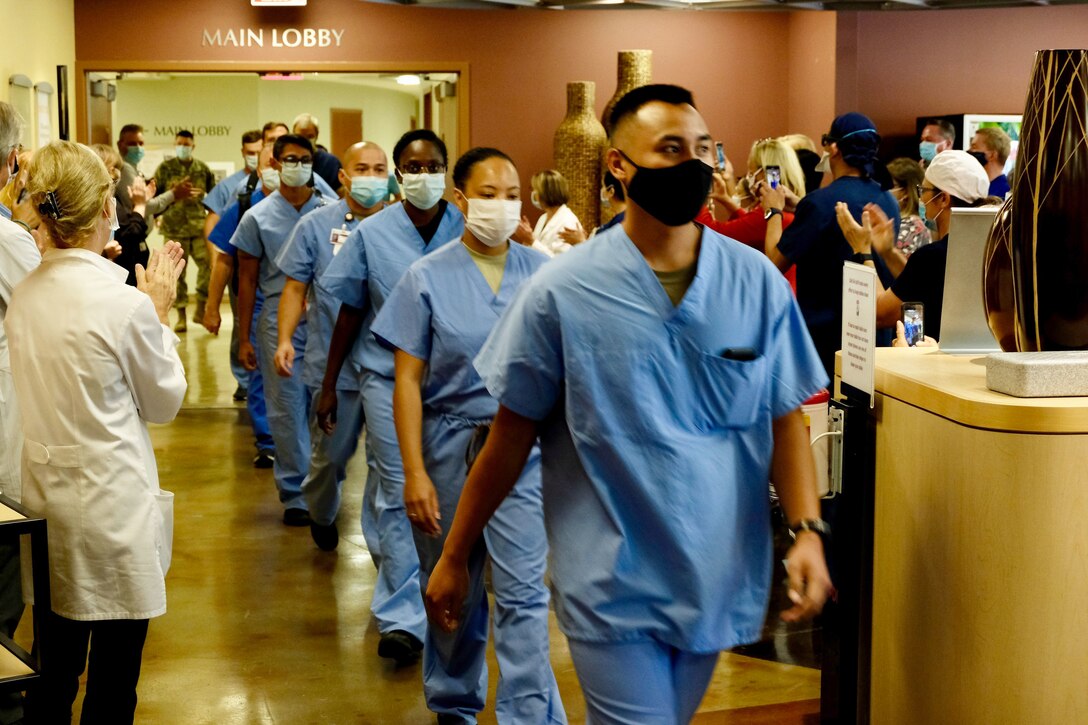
(550,195)
(94,362)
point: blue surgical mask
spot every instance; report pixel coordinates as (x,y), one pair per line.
(369,191)
(927,150)
(184,153)
(134,155)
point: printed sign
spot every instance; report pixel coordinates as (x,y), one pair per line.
(859,290)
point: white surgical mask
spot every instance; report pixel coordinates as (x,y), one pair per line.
(296,176)
(825,163)
(605,198)
(114,223)
(423,191)
(369,191)
(270,179)
(183,152)
(492,221)
(251,162)
(536,201)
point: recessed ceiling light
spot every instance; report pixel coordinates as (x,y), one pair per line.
(408,80)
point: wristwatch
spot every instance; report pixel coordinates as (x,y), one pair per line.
(770,213)
(818,526)
(863,257)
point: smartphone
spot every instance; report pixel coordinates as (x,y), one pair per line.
(913,322)
(773,175)
(721,156)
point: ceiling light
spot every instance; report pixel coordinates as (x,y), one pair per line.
(408,80)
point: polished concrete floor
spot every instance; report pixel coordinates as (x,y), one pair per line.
(262,627)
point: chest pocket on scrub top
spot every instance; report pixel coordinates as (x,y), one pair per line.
(727,393)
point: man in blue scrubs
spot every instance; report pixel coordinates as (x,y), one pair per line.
(259,239)
(371,263)
(319,237)
(663,367)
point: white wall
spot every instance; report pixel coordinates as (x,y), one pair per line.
(226,106)
(34,43)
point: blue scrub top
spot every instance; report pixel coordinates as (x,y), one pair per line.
(372,261)
(441,312)
(304,258)
(262,233)
(226,191)
(228,224)
(656,448)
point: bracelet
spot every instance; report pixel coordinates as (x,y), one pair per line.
(817,526)
(863,257)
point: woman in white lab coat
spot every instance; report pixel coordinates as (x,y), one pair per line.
(93,362)
(550,195)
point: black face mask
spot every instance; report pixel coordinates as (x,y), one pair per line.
(672,195)
(979,156)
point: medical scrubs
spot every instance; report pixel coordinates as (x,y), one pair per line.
(261,234)
(372,261)
(258,413)
(316,239)
(441,312)
(656,434)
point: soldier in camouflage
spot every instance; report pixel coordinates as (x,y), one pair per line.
(187,180)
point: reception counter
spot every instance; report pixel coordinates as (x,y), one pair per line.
(980,566)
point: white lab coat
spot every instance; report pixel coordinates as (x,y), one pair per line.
(18,256)
(546,234)
(92,367)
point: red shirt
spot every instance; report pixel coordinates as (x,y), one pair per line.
(749,227)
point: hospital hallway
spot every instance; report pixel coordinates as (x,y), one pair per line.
(262,627)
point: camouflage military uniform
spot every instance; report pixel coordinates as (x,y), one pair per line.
(183,221)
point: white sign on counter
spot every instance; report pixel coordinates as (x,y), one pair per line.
(859,291)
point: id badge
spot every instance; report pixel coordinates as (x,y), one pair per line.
(337,239)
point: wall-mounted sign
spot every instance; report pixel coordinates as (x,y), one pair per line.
(277,38)
(169,132)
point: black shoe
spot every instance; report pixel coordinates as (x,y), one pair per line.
(240,394)
(399,646)
(296,517)
(326,537)
(264,459)
(446,718)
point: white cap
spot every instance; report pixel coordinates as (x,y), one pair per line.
(960,174)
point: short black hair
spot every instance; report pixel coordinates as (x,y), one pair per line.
(636,98)
(419,134)
(293,140)
(184,133)
(252,137)
(947,129)
(617,188)
(130,128)
(463,168)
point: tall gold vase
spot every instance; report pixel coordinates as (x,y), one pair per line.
(634,69)
(579,143)
(1042,245)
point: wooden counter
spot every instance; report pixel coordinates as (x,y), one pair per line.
(980,568)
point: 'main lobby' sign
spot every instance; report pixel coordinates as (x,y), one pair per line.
(285,38)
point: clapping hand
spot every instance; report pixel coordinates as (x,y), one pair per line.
(159,280)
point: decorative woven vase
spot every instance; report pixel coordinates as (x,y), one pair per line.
(1048,213)
(633,70)
(579,143)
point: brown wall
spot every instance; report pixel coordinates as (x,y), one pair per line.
(519,60)
(810,72)
(895,66)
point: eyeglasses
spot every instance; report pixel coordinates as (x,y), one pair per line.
(827,139)
(923,189)
(414,167)
(292,162)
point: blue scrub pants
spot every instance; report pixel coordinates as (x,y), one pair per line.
(329,455)
(368,517)
(455,664)
(397,602)
(241,375)
(288,404)
(640,683)
(258,414)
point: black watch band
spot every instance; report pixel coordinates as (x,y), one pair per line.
(770,213)
(817,526)
(863,257)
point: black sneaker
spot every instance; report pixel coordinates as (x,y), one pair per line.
(326,537)
(296,517)
(240,394)
(264,459)
(399,646)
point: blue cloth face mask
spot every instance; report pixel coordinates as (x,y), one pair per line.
(369,191)
(134,155)
(184,153)
(927,150)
